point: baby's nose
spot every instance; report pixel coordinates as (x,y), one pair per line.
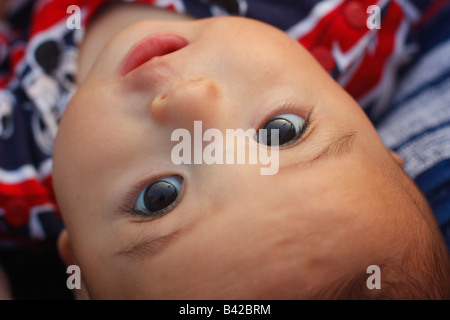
(188,101)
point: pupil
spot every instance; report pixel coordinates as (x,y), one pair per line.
(160,195)
(70,77)
(286,131)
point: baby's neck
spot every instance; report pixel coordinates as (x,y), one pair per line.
(110,21)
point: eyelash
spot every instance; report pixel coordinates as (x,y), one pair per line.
(305,128)
(291,107)
(145,215)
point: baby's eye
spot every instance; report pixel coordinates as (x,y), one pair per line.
(159,197)
(290,128)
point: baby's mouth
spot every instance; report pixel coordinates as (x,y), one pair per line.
(153,46)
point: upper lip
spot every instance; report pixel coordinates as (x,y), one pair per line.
(153,46)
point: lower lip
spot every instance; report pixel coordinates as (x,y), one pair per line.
(154,46)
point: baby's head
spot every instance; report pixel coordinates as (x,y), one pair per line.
(339,203)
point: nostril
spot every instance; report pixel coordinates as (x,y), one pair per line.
(187,100)
(153,46)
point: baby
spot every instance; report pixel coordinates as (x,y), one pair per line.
(141,227)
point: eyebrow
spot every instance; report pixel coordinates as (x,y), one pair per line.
(148,247)
(338,144)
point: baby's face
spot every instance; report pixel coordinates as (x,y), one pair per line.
(224,230)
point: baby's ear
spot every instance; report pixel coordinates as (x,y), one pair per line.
(397,158)
(65,248)
(66,253)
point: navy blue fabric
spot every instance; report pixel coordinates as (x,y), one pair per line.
(426,104)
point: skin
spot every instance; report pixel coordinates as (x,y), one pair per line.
(328,214)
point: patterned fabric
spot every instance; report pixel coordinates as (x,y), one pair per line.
(422,103)
(38,54)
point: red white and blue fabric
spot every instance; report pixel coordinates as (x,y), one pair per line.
(392,72)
